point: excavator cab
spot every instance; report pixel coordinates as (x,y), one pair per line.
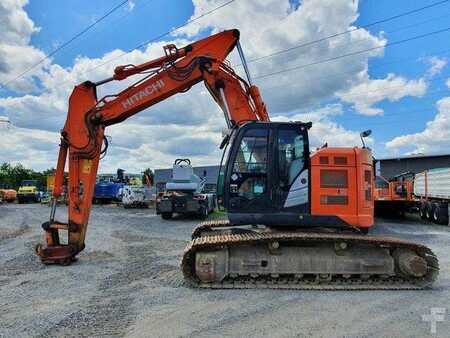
(266,177)
(270,178)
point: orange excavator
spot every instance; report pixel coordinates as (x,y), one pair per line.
(295,219)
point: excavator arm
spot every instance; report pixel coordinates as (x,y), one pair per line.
(83,134)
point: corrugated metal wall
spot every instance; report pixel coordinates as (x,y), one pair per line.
(392,167)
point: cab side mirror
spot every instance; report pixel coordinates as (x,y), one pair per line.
(365,134)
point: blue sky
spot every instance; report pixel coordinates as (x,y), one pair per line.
(125,28)
(141,20)
(410,114)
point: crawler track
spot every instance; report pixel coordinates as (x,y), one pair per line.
(211,235)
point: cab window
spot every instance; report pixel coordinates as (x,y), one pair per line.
(291,156)
(250,166)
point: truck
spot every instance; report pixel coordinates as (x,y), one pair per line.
(107,192)
(184,194)
(432,188)
(29,192)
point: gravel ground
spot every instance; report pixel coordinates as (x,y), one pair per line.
(127,283)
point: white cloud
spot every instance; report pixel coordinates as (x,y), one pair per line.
(4,119)
(436,65)
(16,53)
(367,93)
(434,138)
(447,83)
(39,151)
(130,5)
(324,130)
(191,123)
(276,26)
(136,145)
(17,27)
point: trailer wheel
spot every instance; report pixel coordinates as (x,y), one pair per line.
(166,215)
(422,212)
(429,210)
(440,214)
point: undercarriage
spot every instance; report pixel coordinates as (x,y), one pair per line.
(221,255)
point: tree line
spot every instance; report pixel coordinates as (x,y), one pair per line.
(11,175)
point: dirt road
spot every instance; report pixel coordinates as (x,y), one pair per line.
(127,283)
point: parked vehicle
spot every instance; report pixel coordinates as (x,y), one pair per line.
(109,189)
(432,187)
(29,191)
(136,196)
(184,193)
(428,192)
(107,192)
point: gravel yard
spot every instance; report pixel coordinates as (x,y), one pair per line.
(127,282)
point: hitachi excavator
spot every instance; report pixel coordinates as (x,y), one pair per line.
(295,220)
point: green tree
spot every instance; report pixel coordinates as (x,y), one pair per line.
(11,176)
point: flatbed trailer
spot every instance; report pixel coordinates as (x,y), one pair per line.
(427,192)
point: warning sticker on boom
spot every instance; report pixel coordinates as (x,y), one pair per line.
(86,168)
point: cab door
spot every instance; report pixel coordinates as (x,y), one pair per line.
(248,180)
(292,177)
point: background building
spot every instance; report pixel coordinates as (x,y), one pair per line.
(162,176)
(392,166)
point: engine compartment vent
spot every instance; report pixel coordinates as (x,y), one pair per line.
(340,160)
(333,199)
(323,160)
(333,179)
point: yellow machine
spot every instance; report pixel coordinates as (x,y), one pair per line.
(50,186)
(28,192)
(50,183)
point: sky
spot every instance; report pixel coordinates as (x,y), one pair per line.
(399,88)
